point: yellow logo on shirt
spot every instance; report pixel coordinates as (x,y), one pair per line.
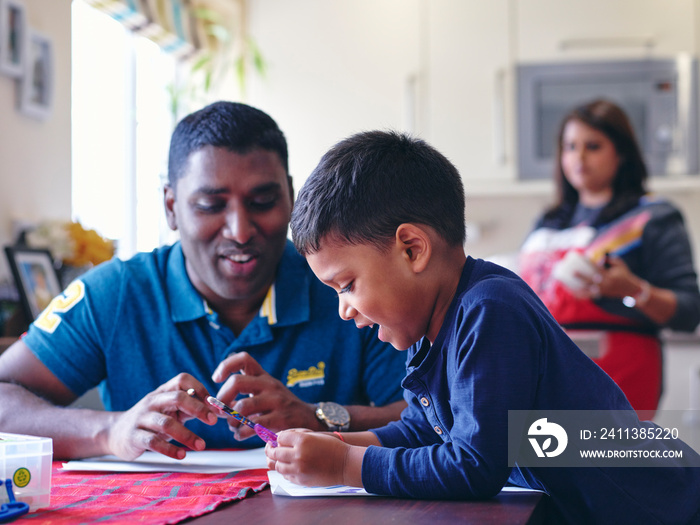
(315,375)
(48,321)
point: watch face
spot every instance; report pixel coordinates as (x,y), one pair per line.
(335,414)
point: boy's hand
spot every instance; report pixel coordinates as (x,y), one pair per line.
(309,458)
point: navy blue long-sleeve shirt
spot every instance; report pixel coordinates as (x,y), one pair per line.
(499,349)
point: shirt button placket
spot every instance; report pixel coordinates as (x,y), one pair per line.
(426,403)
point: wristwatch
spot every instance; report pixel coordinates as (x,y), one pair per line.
(334,416)
(640,298)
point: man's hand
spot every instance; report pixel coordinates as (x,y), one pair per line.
(159,417)
(269,402)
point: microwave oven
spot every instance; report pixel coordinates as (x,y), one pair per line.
(658,95)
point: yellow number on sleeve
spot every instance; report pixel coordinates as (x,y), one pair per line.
(48,321)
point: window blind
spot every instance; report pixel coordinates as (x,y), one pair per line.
(172,24)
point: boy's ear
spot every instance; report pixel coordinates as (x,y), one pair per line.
(415,245)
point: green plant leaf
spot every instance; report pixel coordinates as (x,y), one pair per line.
(212,65)
(221,33)
(258,59)
(240,72)
(201,62)
(208,15)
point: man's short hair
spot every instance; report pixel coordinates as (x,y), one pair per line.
(237,127)
(372,182)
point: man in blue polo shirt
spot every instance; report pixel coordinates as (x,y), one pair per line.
(230,310)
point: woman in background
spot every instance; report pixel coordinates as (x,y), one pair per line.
(631,273)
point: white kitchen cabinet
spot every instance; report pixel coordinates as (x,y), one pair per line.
(563,30)
(439,68)
(335,68)
(680,401)
(444,69)
(468,111)
(681,372)
(472,48)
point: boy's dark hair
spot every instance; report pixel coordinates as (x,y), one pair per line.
(231,125)
(372,182)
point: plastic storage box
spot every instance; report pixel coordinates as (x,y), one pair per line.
(26,460)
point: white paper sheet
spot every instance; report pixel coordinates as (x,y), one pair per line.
(521,489)
(282,487)
(200,462)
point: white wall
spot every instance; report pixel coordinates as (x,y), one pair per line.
(338,67)
(35,156)
(334,68)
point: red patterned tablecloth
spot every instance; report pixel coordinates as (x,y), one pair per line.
(152,498)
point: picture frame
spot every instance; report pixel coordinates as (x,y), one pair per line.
(36,84)
(35,276)
(13,37)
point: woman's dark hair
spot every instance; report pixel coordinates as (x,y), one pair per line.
(629,182)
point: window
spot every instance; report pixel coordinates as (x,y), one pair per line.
(121,126)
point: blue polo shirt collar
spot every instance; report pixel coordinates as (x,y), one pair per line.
(288,302)
(291,291)
(185,302)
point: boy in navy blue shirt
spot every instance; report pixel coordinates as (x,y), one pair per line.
(381,221)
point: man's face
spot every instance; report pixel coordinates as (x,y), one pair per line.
(232,212)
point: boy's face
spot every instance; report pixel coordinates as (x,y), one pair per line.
(373,287)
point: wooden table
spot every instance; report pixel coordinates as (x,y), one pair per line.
(265,509)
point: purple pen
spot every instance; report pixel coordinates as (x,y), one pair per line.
(265,434)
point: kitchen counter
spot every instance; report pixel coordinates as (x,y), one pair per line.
(505,188)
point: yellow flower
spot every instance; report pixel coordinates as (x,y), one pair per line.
(88,246)
(71,243)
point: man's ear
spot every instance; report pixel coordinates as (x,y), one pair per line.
(415,245)
(290,182)
(169,202)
